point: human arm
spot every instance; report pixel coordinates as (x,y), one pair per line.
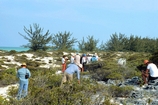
(28,71)
(78,75)
(17,74)
(146,72)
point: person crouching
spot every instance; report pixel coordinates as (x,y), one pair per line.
(68,73)
(151,73)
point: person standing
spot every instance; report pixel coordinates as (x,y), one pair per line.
(89,59)
(72,58)
(83,62)
(23,81)
(77,58)
(63,60)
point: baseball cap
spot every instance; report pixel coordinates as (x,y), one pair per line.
(146,61)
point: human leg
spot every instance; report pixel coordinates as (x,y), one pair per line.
(25,88)
(145,77)
(69,77)
(20,90)
(63,79)
(63,67)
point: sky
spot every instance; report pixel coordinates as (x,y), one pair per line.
(82,18)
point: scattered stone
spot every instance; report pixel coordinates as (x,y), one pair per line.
(121,62)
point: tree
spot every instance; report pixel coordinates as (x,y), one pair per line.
(90,45)
(81,45)
(37,40)
(63,41)
(116,43)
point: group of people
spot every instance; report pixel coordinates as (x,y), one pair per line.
(77,65)
(79,59)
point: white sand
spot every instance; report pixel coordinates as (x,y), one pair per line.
(4,90)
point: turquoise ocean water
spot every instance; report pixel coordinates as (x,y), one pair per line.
(18,49)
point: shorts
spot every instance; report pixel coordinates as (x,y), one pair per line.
(152,78)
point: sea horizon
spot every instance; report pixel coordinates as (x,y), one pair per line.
(18,49)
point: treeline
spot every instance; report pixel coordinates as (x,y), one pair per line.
(119,42)
(37,40)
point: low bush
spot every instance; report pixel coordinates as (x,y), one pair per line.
(46,91)
(8,77)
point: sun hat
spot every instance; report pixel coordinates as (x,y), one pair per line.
(78,64)
(146,61)
(23,64)
(72,54)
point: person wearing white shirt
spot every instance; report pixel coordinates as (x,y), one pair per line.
(89,59)
(83,62)
(152,70)
(72,58)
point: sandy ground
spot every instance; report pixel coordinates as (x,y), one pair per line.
(4,90)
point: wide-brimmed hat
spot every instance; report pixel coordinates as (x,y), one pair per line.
(23,64)
(79,65)
(72,54)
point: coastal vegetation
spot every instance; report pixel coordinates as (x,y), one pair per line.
(44,85)
(37,40)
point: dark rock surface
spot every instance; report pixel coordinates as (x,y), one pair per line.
(147,95)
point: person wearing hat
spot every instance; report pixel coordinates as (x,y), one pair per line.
(23,81)
(151,73)
(68,73)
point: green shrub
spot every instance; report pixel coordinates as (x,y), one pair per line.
(3,101)
(41,53)
(12,52)
(8,77)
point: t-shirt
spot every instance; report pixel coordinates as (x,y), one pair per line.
(72,59)
(83,60)
(153,70)
(77,59)
(93,59)
(63,60)
(89,59)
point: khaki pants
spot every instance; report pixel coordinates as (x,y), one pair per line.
(66,78)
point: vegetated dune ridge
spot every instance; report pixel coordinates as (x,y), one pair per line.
(52,61)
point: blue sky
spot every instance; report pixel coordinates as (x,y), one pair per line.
(82,18)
